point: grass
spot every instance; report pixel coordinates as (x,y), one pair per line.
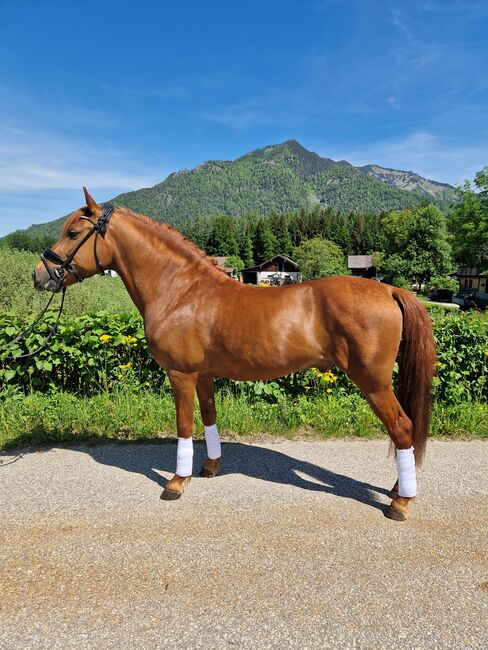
(63,418)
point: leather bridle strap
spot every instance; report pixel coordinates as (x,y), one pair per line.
(63,264)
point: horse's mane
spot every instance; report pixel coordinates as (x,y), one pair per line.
(173,236)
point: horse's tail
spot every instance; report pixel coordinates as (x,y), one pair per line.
(416,367)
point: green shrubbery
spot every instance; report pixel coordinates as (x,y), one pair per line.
(93,353)
(18,297)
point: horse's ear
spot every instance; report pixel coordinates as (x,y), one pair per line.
(92,205)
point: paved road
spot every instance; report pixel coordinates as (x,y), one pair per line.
(288,549)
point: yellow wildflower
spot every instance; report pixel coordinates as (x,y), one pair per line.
(105,338)
(126,366)
(129,340)
(329,390)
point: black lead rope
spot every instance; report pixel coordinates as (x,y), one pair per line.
(51,332)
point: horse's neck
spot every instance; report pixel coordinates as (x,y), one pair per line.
(150,268)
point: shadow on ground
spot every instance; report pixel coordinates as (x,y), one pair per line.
(238,458)
(249,460)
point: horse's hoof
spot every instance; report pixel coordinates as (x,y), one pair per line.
(174,488)
(210,468)
(394,514)
(170,495)
(206,473)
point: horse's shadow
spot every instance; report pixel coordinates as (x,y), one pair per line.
(237,458)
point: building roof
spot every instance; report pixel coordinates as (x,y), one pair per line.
(221,261)
(258,267)
(359,262)
(473,273)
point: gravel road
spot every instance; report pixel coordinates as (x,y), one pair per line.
(287,549)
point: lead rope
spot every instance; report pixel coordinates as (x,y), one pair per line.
(51,332)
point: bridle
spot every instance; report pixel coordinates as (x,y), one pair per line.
(64,265)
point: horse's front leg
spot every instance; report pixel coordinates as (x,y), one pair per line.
(183,386)
(205,392)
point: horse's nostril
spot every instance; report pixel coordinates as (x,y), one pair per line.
(35,280)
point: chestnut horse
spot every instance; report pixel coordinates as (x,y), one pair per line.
(201,324)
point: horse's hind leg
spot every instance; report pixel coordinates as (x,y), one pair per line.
(384,403)
(386,406)
(205,392)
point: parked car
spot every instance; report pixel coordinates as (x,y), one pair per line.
(481,300)
(440,295)
(465,300)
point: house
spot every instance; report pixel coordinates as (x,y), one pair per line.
(361,266)
(222,262)
(473,288)
(275,271)
(471,280)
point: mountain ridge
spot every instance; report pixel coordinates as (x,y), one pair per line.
(281,177)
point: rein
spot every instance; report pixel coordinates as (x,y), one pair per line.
(64,265)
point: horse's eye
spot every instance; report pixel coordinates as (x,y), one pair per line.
(73,234)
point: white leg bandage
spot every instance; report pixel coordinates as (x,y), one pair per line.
(212,439)
(407,482)
(184,457)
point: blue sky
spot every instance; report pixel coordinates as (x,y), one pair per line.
(117,94)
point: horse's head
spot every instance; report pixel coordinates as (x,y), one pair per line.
(79,253)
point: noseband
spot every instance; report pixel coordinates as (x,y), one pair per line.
(64,264)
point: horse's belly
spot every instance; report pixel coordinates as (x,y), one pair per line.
(264,359)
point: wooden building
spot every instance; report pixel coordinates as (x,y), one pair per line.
(361,266)
(472,280)
(231,272)
(276,271)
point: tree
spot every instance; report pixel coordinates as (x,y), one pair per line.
(469,223)
(416,245)
(428,251)
(234,262)
(319,258)
(223,237)
(279,225)
(265,243)
(442,282)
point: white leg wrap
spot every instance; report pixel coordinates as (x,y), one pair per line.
(212,439)
(407,482)
(184,457)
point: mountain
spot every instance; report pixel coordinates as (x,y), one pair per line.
(281,178)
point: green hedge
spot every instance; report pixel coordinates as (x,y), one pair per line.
(93,353)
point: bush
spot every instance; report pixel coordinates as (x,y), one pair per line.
(90,353)
(18,297)
(442,282)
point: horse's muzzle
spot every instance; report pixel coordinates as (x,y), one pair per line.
(44,282)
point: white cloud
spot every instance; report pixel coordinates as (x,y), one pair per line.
(31,159)
(424,153)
